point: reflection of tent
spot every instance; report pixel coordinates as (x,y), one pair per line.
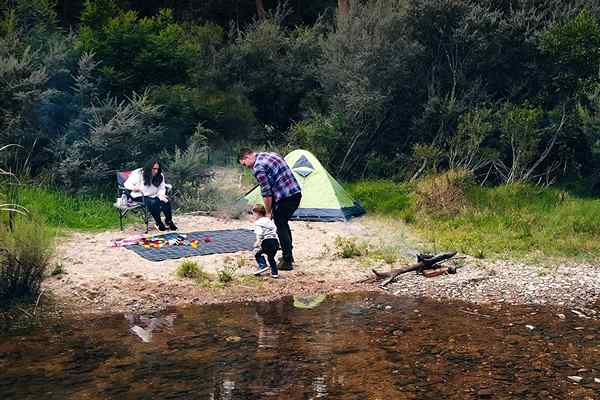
(323,198)
(308,301)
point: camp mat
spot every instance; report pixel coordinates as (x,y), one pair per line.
(210,242)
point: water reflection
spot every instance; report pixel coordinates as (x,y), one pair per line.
(144,327)
(347,347)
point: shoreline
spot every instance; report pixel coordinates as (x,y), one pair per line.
(101,279)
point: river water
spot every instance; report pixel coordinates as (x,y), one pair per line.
(350,346)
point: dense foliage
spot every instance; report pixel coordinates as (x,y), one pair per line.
(508,91)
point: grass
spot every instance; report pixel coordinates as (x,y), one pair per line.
(519,220)
(385,198)
(513,221)
(348,247)
(191,270)
(66,211)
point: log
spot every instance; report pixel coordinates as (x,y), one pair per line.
(423,262)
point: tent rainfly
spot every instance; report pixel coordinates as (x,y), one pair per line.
(323,198)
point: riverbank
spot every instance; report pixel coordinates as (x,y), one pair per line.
(99,278)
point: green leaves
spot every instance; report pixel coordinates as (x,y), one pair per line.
(572,49)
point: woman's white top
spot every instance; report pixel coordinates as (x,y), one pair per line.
(135,184)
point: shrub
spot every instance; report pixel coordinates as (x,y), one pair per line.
(25,254)
(226,115)
(349,247)
(121,136)
(444,193)
(191,270)
(322,135)
(226,274)
(186,167)
(188,269)
(58,269)
(136,52)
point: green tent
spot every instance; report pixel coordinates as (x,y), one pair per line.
(323,198)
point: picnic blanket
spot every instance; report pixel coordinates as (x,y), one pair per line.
(177,245)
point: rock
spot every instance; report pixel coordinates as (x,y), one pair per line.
(388,307)
(596,380)
(580,314)
(561,316)
(576,379)
(530,327)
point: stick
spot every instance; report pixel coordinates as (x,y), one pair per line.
(25,311)
(424,263)
(38,301)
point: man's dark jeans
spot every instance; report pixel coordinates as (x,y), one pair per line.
(282,212)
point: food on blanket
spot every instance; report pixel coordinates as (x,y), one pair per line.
(194,243)
(207,239)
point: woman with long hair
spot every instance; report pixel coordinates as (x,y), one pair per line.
(147,185)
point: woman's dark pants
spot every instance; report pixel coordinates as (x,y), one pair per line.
(155,206)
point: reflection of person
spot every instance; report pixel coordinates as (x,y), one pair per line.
(144,326)
(266,241)
(148,185)
(281,195)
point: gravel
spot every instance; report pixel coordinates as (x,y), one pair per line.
(509,282)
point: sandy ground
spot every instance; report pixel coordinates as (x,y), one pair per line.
(101,278)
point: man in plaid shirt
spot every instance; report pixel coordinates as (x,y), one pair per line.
(281,195)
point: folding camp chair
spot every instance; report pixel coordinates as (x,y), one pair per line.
(132,206)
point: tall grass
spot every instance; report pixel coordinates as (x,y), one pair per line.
(384,198)
(509,221)
(520,220)
(26,250)
(62,210)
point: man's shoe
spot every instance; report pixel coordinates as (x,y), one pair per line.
(275,276)
(161,227)
(284,265)
(172,226)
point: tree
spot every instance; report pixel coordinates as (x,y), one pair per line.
(260,9)
(344,7)
(136,52)
(572,51)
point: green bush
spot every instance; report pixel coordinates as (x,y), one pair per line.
(136,52)
(227,115)
(25,254)
(226,274)
(349,247)
(191,270)
(443,193)
(322,135)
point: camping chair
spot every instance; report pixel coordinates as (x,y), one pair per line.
(133,207)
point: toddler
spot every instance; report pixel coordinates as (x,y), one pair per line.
(266,241)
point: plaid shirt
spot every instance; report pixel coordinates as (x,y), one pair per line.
(275,176)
